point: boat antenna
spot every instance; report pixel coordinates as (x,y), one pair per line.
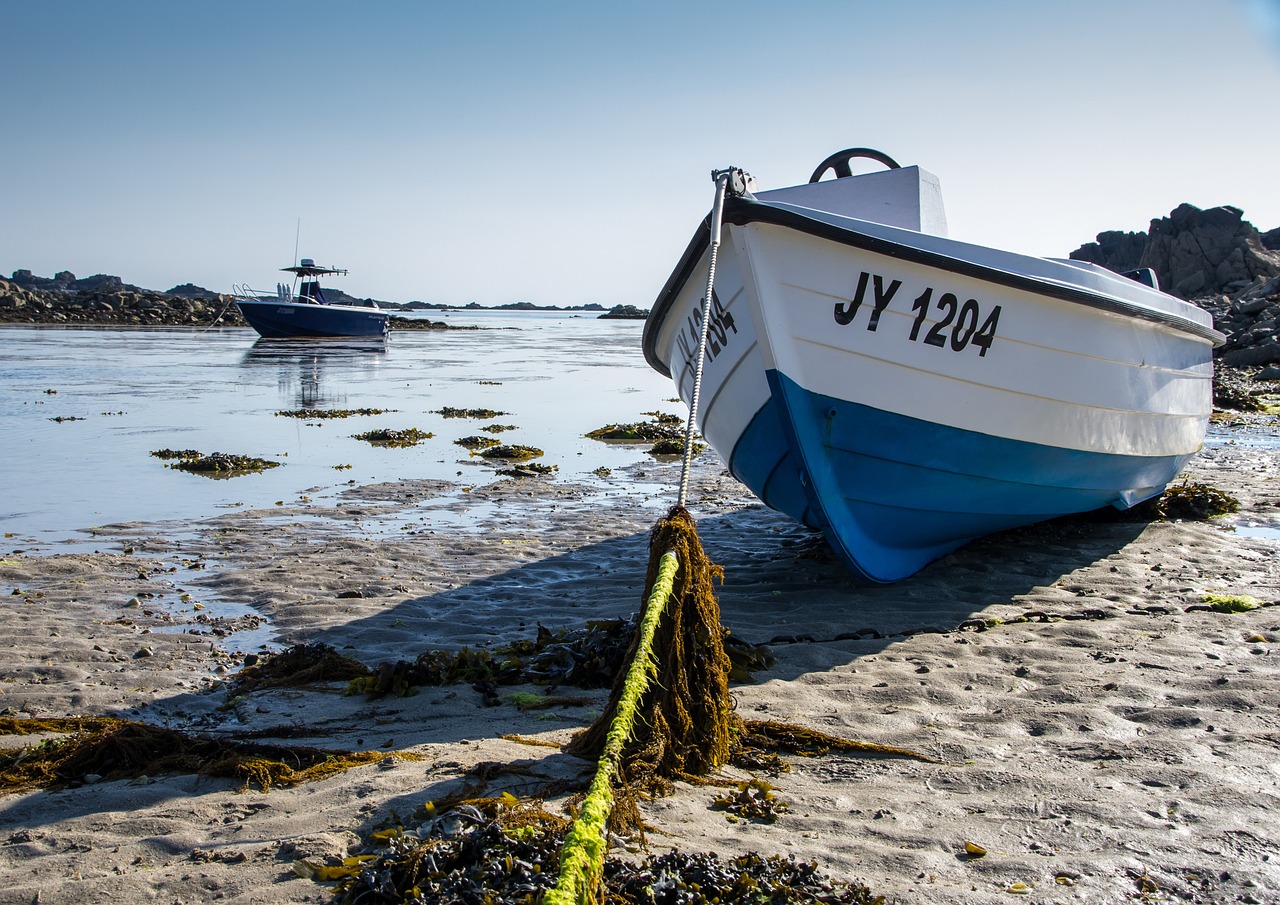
(297,234)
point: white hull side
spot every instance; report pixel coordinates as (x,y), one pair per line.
(1055,373)
(734,387)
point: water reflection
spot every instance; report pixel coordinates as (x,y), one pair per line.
(304,365)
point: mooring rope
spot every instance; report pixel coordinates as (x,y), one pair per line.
(582,857)
(225,308)
(717,214)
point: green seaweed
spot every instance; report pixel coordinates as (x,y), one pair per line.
(1230,603)
(665,418)
(410,436)
(176,453)
(476,443)
(214,465)
(512,453)
(637,432)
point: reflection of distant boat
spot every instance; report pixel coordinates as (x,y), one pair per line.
(302,366)
(348,348)
(303,311)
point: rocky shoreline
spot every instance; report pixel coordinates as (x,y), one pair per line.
(1213,258)
(104,300)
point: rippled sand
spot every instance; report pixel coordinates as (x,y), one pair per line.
(1101,734)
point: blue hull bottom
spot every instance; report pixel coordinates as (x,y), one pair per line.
(893,493)
(273,320)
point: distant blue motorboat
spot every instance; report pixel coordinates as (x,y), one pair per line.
(906,393)
(301,311)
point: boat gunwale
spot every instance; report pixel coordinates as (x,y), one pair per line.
(294,303)
(741,211)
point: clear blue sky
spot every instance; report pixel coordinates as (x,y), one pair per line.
(559,152)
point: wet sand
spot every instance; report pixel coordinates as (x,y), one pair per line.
(1102,734)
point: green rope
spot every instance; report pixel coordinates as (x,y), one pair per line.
(582,857)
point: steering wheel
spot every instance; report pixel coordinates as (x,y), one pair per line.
(839,162)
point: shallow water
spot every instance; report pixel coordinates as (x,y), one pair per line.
(132,391)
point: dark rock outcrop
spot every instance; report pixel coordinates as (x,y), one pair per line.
(65,281)
(625,312)
(192,291)
(1193,252)
(110,301)
(1251,322)
(1114,250)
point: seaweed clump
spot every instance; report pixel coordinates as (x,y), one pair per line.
(120,749)
(512,453)
(587,657)
(450,412)
(476,443)
(584,658)
(310,414)
(300,665)
(500,850)
(528,470)
(410,436)
(752,800)
(214,465)
(680,877)
(759,742)
(674,448)
(167,453)
(1193,501)
(1231,603)
(638,432)
(491,850)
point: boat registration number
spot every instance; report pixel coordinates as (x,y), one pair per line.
(720,328)
(956,325)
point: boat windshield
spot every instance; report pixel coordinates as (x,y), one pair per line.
(310,291)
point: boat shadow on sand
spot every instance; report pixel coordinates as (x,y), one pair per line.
(783,588)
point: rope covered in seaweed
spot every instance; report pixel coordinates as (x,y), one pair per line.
(582,857)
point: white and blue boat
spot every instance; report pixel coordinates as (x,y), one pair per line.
(906,393)
(300,310)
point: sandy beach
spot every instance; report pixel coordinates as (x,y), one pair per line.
(1102,734)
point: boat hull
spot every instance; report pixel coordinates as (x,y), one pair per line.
(905,402)
(274,319)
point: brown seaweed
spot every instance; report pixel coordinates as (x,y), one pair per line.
(119,749)
(501,851)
